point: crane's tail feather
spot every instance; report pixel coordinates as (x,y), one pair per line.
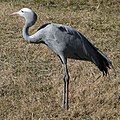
(100,60)
(103,63)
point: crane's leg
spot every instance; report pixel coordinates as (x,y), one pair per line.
(66,87)
(66,83)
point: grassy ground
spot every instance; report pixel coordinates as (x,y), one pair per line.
(31,75)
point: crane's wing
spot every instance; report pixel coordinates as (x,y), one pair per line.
(84,49)
(43,26)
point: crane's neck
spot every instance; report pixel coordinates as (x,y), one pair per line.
(35,38)
(25,33)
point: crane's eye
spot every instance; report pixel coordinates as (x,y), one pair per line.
(22,11)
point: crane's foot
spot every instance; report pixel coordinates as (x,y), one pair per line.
(65,106)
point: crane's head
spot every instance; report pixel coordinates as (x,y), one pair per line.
(29,15)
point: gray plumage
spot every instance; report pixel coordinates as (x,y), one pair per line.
(66,42)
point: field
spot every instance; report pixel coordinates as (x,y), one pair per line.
(31,75)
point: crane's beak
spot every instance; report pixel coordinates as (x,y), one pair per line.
(15,13)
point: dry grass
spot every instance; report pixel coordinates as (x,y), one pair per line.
(31,75)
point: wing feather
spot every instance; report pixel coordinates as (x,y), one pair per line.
(86,50)
(43,26)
